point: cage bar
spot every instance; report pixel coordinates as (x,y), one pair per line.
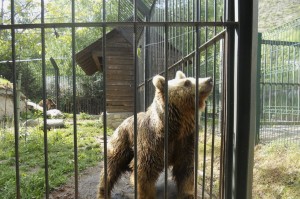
(178,35)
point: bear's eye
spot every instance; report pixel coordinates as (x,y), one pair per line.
(187,83)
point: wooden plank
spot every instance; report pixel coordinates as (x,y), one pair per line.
(87,51)
(119,87)
(116,51)
(119,60)
(122,53)
(119,45)
(125,52)
(120,103)
(120,94)
(120,72)
(114,93)
(120,83)
(120,67)
(119,77)
(117,38)
(117,109)
(119,98)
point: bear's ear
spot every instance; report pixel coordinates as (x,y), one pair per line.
(180,75)
(159,82)
(187,83)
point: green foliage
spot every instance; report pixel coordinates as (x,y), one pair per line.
(60,157)
(5,83)
(84,116)
(31,114)
(58,41)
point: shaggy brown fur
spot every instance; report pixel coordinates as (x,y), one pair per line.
(150,154)
(49,104)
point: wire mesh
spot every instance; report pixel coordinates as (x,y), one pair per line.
(280,80)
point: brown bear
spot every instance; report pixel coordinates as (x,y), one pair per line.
(49,104)
(150,139)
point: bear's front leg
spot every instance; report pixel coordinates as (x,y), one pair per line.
(149,166)
(146,183)
(183,168)
(184,177)
(146,190)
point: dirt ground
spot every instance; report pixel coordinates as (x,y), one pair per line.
(89,179)
(88,182)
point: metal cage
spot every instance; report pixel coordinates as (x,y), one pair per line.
(202,38)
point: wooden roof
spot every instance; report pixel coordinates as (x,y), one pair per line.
(88,58)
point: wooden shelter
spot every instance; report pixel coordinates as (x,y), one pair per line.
(120,71)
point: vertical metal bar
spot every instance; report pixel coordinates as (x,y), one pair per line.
(74,103)
(166,122)
(16,121)
(222,126)
(263,70)
(197,70)
(282,81)
(57,88)
(293,80)
(213,125)
(44,100)
(270,80)
(258,64)
(146,63)
(135,100)
(288,73)
(228,80)
(56,71)
(205,112)
(298,98)
(214,109)
(228,174)
(104,97)
(276,78)
(245,92)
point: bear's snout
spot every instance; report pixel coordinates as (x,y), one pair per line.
(209,80)
(207,85)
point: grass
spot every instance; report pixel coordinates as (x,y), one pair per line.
(206,163)
(276,172)
(60,157)
(4,83)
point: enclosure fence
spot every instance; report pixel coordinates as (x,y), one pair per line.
(201,38)
(279,78)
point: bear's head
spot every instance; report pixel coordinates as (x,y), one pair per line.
(182,91)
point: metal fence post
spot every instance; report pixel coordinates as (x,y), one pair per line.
(259,43)
(18,96)
(245,95)
(54,64)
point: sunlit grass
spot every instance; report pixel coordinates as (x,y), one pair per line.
(276,171)
(60,157)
